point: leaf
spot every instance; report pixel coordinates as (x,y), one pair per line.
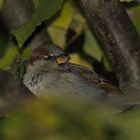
(7,60)
(26,53)
(57,35)
(126,0)
(45,10)
(1,3)
(75,58)
(91,46)
(134,14)
(66,15)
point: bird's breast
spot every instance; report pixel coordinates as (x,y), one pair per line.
(60,84)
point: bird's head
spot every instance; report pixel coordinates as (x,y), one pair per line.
(44,57)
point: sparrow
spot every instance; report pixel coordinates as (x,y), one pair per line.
(49,72)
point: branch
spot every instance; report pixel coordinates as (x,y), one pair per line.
(122,43)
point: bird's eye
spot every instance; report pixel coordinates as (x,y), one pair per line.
(51,57)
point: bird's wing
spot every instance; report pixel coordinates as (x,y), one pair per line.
(91,77)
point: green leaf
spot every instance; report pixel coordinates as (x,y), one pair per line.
(45,9)
(134,14)
(126,0)
(66,15)
(1,4)
(7,59)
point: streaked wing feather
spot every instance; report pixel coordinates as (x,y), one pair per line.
(91,77)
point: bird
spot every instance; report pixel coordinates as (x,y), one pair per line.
(49,73)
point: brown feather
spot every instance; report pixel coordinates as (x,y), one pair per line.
(38,53)
(92,78)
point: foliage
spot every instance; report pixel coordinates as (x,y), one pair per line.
(126,0)
(65,119)
(44,10)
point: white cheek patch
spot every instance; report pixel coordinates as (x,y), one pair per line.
(46,57)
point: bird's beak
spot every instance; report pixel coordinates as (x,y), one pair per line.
(62,59)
